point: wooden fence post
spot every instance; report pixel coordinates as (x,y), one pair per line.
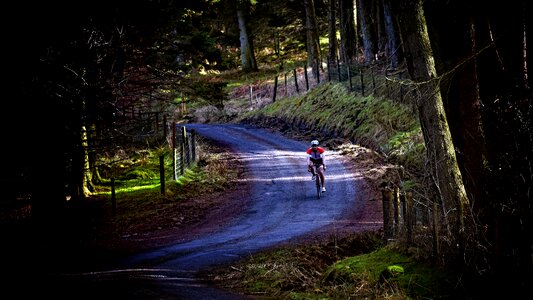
(296,80)
(275,88)
(285,82)
(174,161)
(193,144)
(396,211)
(183,105)
(187,147)
(387,213)
(251,95)
(182,150)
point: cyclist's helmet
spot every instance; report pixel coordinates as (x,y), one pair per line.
(314,143)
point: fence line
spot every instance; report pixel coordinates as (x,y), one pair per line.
(182,141)
(285,84)
(403,216)
(184,146)
(364,80)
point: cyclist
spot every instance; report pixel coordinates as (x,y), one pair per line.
(317,154)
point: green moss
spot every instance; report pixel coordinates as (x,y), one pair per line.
(395,270)
(389,266)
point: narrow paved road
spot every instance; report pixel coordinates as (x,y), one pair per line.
(283,206)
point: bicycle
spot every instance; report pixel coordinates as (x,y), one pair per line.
(317,179)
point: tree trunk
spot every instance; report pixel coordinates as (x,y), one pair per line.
(313,46)
(439,146)
(332,34)
(365,11)
(392,48)
(462,99)
(381,34)
(248,61)
(86,168)
(349,42)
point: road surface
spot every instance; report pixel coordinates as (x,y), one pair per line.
(283,206)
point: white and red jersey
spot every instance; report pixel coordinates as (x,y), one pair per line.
(316,155)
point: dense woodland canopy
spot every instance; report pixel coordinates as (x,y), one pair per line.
(72,70)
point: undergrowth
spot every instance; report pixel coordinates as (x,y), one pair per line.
(356,267)
(139,197)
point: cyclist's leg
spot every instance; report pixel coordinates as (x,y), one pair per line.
(321,174)
(311,167)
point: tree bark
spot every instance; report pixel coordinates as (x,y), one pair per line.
(87,174)
(348,31)
(393,51)
(313,46)
(332,33)
(439,146)
(248,61)
(461,85)
(365,11)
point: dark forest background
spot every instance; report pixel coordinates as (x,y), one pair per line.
(71,70)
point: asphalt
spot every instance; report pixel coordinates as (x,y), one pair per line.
(283,206)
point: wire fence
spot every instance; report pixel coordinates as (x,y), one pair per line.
(184,149)
(364,80)
(404,215)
